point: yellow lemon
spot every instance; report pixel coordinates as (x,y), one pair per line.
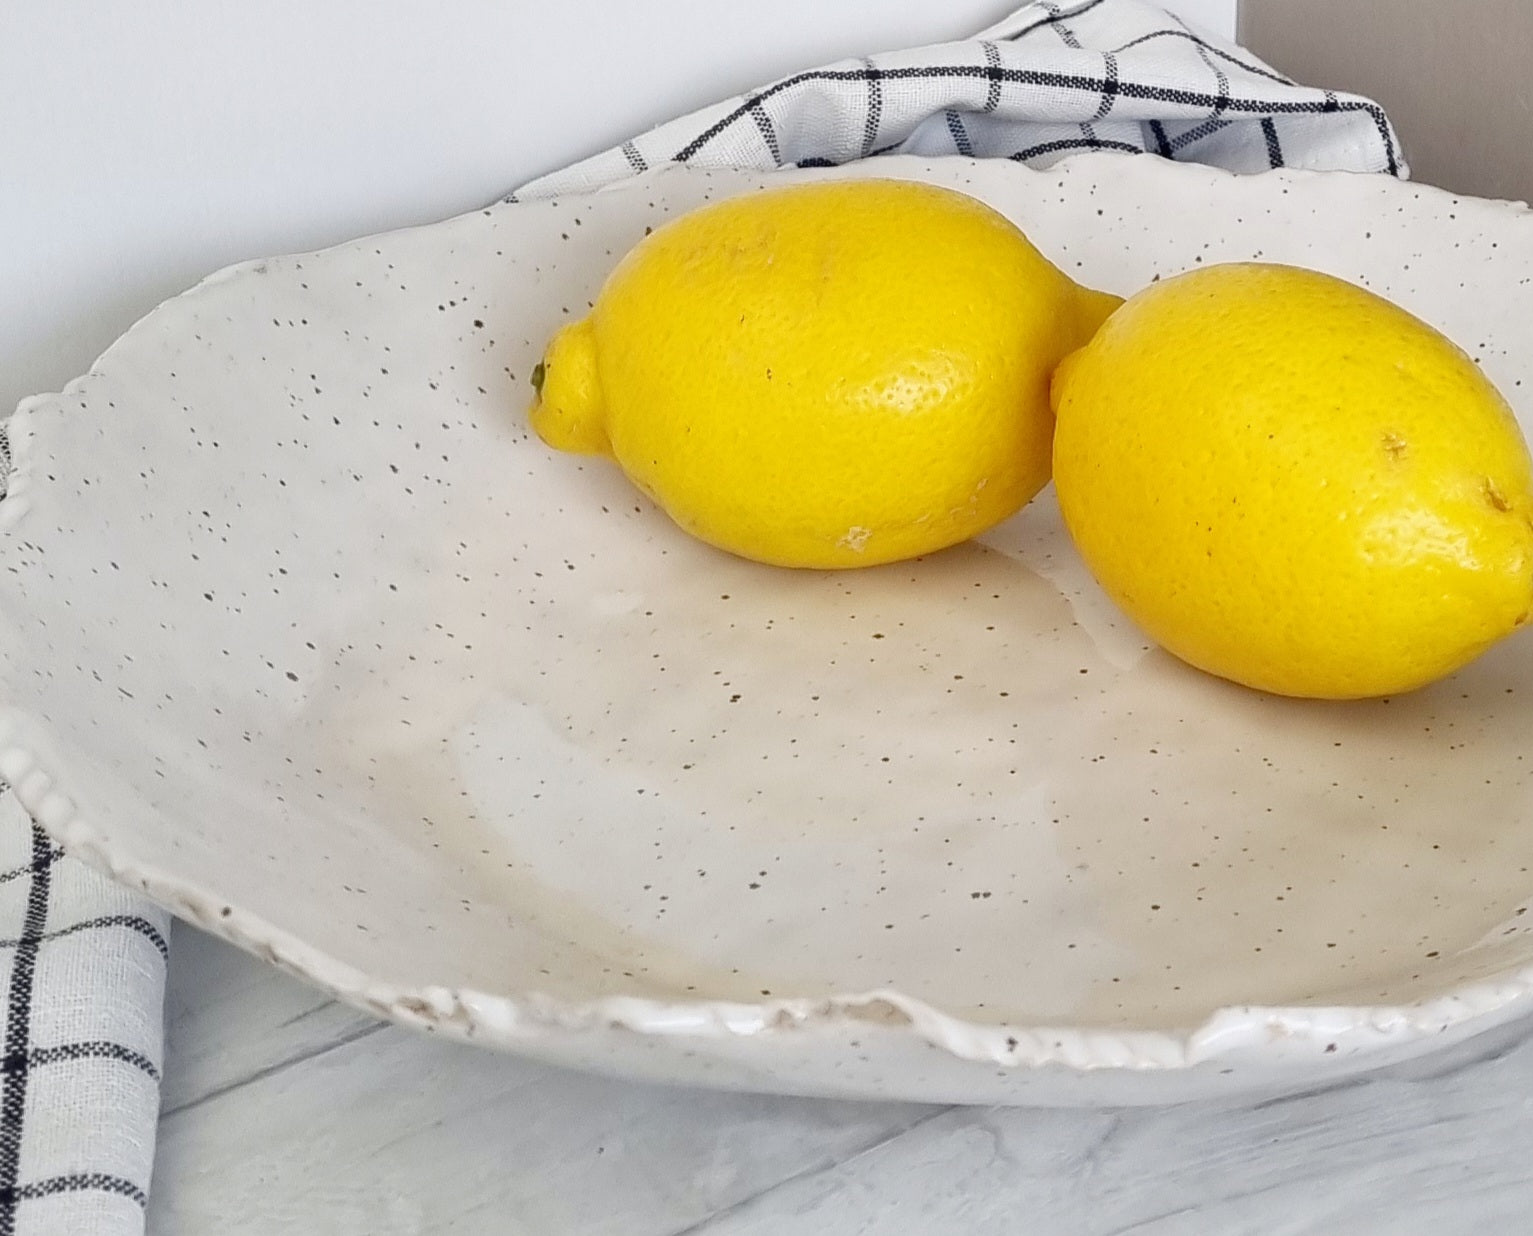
(833,374)
(1292,483)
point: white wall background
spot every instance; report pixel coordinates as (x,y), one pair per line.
(144,145)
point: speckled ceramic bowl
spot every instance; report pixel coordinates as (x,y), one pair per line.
(306,635)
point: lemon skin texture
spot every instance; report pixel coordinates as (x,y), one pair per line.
(834,374)
(1292,483)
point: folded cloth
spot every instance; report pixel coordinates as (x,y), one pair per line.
(82,961)
(1049,81)
(82,966)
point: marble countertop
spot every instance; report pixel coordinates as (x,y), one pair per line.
(284,1112)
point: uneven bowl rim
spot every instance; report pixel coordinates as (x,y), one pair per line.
(519,1020)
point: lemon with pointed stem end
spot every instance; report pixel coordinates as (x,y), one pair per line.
(833,374)
(1290,482)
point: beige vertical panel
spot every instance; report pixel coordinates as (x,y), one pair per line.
(1456,77)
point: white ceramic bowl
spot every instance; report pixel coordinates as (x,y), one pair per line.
(305,635)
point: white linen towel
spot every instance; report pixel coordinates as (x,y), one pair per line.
(1050,81)
(82,967)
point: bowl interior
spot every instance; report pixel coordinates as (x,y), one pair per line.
(296,609)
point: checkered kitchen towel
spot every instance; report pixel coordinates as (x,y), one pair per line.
(1049,81)
(82,966)
(82,961)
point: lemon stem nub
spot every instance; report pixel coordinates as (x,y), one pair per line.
(568,411)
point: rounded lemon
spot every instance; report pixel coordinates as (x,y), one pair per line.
(1292,483)
(833,374)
